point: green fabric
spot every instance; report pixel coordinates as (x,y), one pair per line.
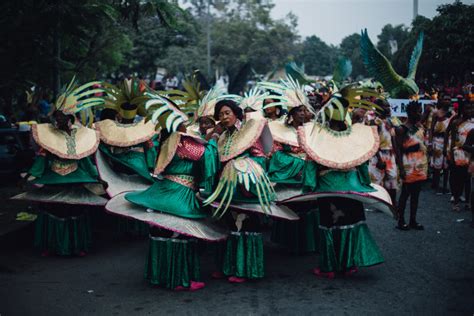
(63,236)
(356,180)
(132,160)
(300,236)
(172,262)
(151,153)
(285,168)
(86,172)
(174,198)
(243,255)
(132,227)
(209,165)
(344,248)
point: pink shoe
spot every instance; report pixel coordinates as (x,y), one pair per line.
(196,285)
(217,275)
(351,271)
(319,273)
(45,253)
(82,254)
(234,279)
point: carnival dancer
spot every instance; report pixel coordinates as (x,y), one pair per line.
(67,178)
(383,166)
(469,148)
(458,131)
(412,163)
(244,189)
(286,164)
(129,146)
(336,178)
(437,136)
(185,163)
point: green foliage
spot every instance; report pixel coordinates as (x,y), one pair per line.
(318,57)
(398,33)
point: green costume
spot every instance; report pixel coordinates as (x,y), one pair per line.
(184,164)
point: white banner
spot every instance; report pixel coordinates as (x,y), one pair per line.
(399,106)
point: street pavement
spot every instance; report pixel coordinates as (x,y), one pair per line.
(425,272)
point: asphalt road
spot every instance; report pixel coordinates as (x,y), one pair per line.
(425,272)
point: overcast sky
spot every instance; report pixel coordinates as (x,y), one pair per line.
(332,20)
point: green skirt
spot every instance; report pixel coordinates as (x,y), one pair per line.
(63,236)
(342,248)
(172,262)
(300,236)
(168,197)
(243,255)
(132,227)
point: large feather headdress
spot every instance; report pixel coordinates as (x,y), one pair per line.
(290,92)
(252,99)
(75,98)
(163,112)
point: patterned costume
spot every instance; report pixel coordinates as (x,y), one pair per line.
(415,162)
(438,161)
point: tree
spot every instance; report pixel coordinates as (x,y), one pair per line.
(318,57)
(448,45)
(391,38)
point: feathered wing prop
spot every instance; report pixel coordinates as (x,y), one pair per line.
(238,82)
(381,70)
(163,112)
(77,98)
(415,56)
(246,172)
(291,93)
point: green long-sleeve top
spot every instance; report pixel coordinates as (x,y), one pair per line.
(318,178)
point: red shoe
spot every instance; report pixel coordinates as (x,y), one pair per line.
(196,285)
(319,273)
(82,254)
(180,288)
(45,253)
(351,271)
(217,275)
(234,279)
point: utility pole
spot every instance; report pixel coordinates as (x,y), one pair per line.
(208,30)
(415,9)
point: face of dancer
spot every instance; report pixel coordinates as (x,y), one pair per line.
(271,112)
(299,115)
(205,124)
(227,117)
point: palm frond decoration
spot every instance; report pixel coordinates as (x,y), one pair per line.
(351,96)
(76,98)
(297,73)
(241,171)
(127,97)
(290,92)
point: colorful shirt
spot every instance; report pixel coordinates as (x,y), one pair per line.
(438,161)
(415,161)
